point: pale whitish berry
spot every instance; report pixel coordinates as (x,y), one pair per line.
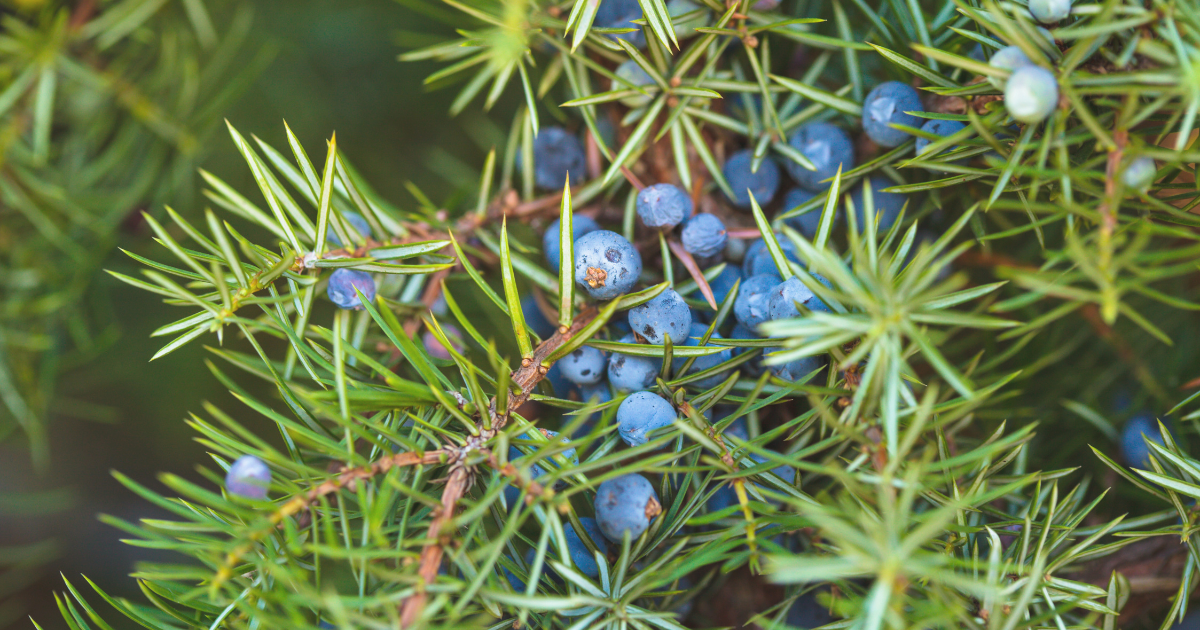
(1031,94)
(249,478)
(1049,11)
(1008,58)
(1140,174)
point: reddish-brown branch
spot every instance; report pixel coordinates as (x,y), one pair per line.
(81,14)
(689,263)
(431,555)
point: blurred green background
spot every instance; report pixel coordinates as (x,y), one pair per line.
(336,70)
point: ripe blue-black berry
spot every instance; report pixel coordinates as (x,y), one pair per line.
(887,204)
(1031,94)
(557,153)
(342,285)
(758,258)
(581,556)
(624,505)
(584,366)
(704,235)
(663,206)
(753,367)
(640,413)
(1134,450)
(511,493)
(808,222)
(434,346)
(535,318)
(704,362)
(743,182)
(561,386)
(796,369)
(887,105)
(552,246)
(726,496)
(1140,174)
(1049,11)
(606,265)
(941,128)
(827,147)
(1008,58)
(358,221)
(723,283)
(807,612)
(665,314)
(632,373)
(635,76)
(752,306)
(621,14)
(788,294)
(249,478)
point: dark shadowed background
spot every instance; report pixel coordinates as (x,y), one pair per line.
(336,70)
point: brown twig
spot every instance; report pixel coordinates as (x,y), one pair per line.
(348,478)
(431,555)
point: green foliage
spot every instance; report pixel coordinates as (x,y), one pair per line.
(924,496)
(104,111)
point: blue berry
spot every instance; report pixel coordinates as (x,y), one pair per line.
(584,366)
(632,373)
(1140,174)
(342,284)
(783,471)
(941,128)
(827,147)
(704,235)
(552,246)
(1031,94)
(726,496)
(517,583)
(887,204)
(597,394)
(977,53)
(763,183)
(511,493)
(753,367)
(807,612)
(723,283)
(704,362)
(581,556)
(557,153)
(1008,58)
(1049,11)
(353,218)
(663,206)
(808,222)
(641,413)
(737,428)
(795,369)
(752,306)
(634,75)
(606,264)
(758,258)
(887,105)
(535,318)
(624,505)
(248,478)
(665,314)
(786,295)
(561,386)
(621,14)
(1134,450)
